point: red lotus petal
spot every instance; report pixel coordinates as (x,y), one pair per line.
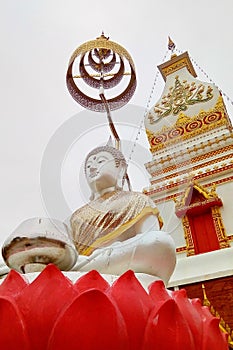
(13,284)
(213,338)
(135,305)
(42,301)
(159,294)
(13,334)
(191,315)
(91,280)
(167,329)
(91,322)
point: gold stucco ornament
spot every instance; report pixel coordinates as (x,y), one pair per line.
(102,64)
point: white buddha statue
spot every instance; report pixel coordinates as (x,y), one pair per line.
(116,231)
(119,230)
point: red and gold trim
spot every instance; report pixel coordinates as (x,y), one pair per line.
(196,177)
(176,63)
(188,127)
(192,159)
(211,201)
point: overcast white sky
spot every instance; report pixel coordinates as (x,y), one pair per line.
(37,39)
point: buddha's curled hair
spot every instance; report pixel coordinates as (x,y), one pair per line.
(117,154)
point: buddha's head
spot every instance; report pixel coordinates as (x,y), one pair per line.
(105,167)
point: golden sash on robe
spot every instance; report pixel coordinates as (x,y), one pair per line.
(105,219)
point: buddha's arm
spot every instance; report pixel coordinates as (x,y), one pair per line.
(124,248)
(148,223)
(4,269)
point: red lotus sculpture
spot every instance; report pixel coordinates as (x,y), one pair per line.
(53,313)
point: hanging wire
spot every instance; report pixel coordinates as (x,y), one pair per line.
(145,112)
(208,77)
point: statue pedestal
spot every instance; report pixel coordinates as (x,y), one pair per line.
(52,313)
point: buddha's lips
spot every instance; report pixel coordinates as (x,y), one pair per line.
(94,174)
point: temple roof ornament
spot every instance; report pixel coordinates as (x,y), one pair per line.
(171,44)
(185,204)
(175,64)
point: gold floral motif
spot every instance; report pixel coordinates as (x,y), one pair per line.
(180,96)
(205,121)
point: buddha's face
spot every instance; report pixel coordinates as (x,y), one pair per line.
(102,171)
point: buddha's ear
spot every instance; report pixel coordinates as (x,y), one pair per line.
(121,175)
(92,196)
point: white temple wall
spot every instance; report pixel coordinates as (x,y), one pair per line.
(172,224)
(225,193)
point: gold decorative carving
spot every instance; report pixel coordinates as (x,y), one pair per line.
(205,121)
(219,227)
(183,119)
(96,52)
(102,43)
(188,236)
(222,324)
(212,199)
(181,250)
(194,185)
(180,96)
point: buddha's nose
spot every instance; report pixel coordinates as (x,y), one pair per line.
(93,170)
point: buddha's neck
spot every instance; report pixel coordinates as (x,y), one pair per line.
(104,191)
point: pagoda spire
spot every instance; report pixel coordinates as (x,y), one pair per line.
(171,44)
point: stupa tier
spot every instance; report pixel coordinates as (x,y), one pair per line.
(191,142)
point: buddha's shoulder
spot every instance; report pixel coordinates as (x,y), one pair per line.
(84,210)
(109,201)
(136,196)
